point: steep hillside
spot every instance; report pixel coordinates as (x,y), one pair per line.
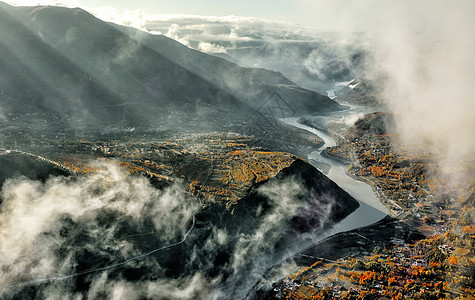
(224,210)
(83,74)
(67,62)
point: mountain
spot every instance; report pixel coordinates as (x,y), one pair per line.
(112,228)
(312,58)
(155,210)
(66,62)
(15,165)
(360,91)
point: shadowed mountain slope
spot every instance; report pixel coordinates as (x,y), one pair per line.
(69,63)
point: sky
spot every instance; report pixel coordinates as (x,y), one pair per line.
(263,8)
(327,14)
(272,9)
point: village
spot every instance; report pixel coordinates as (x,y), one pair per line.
(404,179)
(439,266)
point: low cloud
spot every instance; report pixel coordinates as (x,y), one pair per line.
(193,287)
(330,63)
(285,203)
(311,58)
(425,53)
(115,236)
(211,48)
(46,228)
(173,34)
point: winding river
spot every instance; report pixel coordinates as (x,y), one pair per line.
(371,209)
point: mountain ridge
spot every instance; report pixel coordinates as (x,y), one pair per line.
(91,64)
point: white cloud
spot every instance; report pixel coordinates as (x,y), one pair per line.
(426,54)
(34,216)
(211,48)
(66,3)
(424,49)
(131,18)
(285,204)
(311,58)
(173,34)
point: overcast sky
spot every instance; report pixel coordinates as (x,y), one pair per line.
(354,15)
(260,8)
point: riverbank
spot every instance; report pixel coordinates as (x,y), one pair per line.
(371,210)
(374,262)
(387,202)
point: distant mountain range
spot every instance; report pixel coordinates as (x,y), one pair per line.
(67,63)
(316,59)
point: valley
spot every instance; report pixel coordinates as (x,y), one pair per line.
(228,157)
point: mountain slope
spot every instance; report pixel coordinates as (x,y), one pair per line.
(252,84)
(67,62)
(40,73)
(111,226)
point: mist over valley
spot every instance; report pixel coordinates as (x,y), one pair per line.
(179,156)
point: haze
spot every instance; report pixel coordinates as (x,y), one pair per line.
(221,130)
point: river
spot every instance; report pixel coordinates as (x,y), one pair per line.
(371,209)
